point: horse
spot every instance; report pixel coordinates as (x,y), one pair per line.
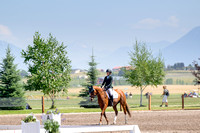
(103,101)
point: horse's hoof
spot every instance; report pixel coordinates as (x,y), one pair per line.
(108,123)
(100,123)
(114,123)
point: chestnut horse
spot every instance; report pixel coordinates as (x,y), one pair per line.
(103,102)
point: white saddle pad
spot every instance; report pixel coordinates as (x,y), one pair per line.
(115,94)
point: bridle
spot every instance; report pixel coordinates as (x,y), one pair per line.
(92,96)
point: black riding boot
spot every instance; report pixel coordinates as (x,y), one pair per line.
(111,100)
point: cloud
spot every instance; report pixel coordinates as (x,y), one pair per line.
(173,21)
(4,30)
(151,23)
(7,36)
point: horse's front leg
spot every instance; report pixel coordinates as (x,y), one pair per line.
(106,118)
(103,113)
(100,122)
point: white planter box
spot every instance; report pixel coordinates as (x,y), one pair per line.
(55,117)
(31,127)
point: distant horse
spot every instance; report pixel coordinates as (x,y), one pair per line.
(104,101)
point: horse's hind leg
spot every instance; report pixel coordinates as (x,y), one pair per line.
(116,112)
(124,108)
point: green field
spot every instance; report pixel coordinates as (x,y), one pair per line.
(173,77)
(72,105)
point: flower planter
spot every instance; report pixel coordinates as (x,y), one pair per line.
(51,116)
(31,127)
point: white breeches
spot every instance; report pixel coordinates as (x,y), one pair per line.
(110,91)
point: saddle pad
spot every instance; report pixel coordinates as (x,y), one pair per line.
(115,94)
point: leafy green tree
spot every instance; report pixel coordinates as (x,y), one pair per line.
(146,69)
(49,66)
(11,91)
(196,72)
(92,77)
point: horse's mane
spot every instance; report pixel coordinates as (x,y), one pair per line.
(97,88)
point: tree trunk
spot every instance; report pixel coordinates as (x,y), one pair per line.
(141,97)
(53,103)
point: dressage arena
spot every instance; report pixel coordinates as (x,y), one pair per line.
(172,121)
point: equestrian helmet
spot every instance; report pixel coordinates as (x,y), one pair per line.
(108,70)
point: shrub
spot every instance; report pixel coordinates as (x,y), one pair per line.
(29,118)
(51,126)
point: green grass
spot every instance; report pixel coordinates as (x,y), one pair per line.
(72,105)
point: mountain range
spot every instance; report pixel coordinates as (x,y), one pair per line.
(186,50)
(15,51)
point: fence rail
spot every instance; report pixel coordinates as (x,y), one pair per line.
(84,129)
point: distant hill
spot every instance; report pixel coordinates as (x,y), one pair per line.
(186,49)
(120,57)
(15,51)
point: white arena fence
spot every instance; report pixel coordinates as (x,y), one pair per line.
(89,129)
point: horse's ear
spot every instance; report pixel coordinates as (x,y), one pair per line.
(91,89)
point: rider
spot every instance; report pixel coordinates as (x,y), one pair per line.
(107,83)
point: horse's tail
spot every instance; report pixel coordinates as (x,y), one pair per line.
(128,111)
(124,103)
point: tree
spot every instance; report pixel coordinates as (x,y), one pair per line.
(179,66)
(146,70)
(91,80)
(92,77)
(190,67)
(196,72)
(11,91)
(49,66)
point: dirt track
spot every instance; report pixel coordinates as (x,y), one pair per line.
(148,121)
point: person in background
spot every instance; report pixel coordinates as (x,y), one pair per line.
(185,94)
(165,95)
(28,106)
(148,94)
(130,95)
(194,93)
(126,94)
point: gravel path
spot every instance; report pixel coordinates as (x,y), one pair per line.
(179,121)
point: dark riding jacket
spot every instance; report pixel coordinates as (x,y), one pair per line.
(107,82)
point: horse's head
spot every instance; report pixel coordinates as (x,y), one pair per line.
(92,92)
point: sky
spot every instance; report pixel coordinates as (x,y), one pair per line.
(104,25)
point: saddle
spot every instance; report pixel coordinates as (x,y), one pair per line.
(110,98)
